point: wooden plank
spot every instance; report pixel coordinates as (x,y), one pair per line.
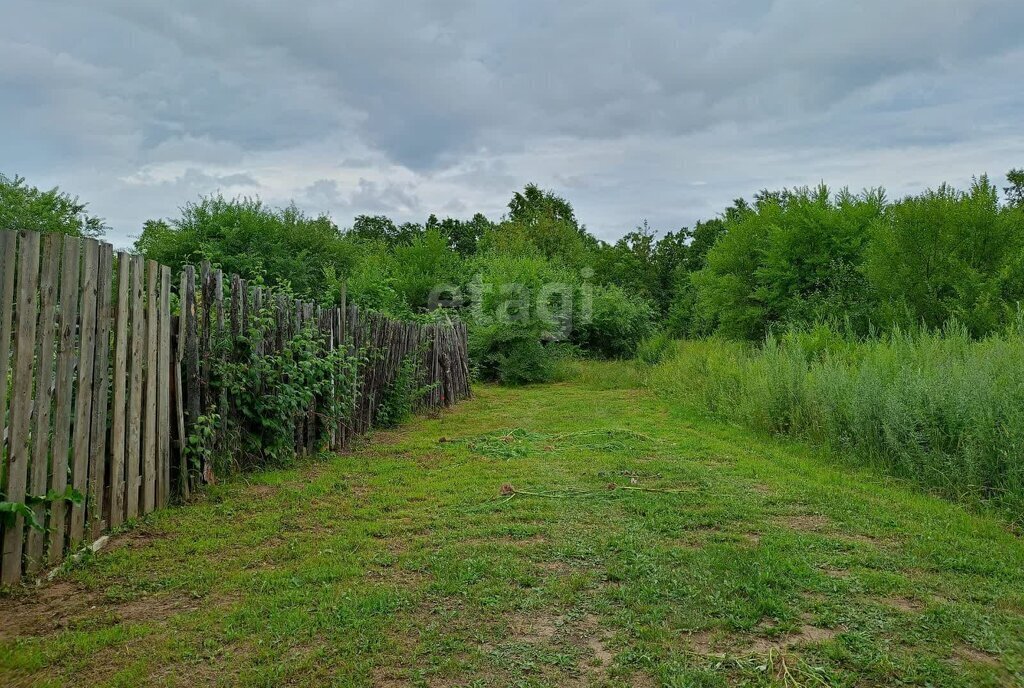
(190,370)
(67,366)
(235,316)
(205,312)
(136,349)
(8,252)
(164,389)
(21,397)
(220,352)
(98,499)
(257,310)
(183,491)
(119,406)
(49,280)
(83,390)
(149,441)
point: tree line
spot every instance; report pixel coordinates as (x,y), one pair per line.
(784,259)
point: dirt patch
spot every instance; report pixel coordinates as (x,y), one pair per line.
(133,538)
(263,491)
(971,655)
(716,643)
(507,540)
(833,572)
(904,604)
(580,635)
(810,523)
(62,605)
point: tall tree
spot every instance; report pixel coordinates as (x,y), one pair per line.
(26,207)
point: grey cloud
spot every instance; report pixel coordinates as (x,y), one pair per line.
(409,108)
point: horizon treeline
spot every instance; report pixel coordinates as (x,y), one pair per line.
(787,258)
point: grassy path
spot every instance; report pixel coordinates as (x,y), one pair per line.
(739,561)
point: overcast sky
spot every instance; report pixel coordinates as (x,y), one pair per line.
(631,109)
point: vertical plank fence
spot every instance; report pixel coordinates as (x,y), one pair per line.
(101,384)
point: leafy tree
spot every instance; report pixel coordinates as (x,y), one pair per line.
(793,257)
(425,263)
(947,254)
(463,235)
(245,236)
(1015,191)
(545,221)
(26,207)
(509,326)
(374,228)
(619,322)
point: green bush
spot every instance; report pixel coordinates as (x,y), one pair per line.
(506,353)
(245,236)
(403,395)
(271,389)
(618,323)
(25,207)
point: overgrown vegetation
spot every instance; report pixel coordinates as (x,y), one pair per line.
(270,388)
(789,258)
(936,407)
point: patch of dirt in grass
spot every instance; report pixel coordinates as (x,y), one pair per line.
(263,491)
(556,567)
(970,655)
(582,634)
(834,572)
(808,523)
(904,604)
(717,643)
(64,604)
(507,540)
(133,538)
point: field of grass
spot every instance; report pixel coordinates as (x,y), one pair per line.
(579,533)
(941,409)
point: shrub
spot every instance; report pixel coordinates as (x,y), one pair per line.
(654,348)
(403,396)
(271,389)
(619,322)
(26,207)
(508,354)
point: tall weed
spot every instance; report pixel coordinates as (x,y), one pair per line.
(938,408)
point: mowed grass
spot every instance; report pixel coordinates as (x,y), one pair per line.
(666,550)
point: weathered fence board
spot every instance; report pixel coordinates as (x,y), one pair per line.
(83,393)
(8,248)
(135,362)
(67,368)
(119,409)
(149,440)
(21,402)
(95,494)
(49,279)
(164,364)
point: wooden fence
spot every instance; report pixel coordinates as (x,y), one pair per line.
(101,383)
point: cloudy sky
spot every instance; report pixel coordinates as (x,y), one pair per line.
(630,109)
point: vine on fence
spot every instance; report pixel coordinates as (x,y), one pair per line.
(404,395)
(268,390)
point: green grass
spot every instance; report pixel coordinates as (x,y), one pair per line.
(938,408)
(738,561)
